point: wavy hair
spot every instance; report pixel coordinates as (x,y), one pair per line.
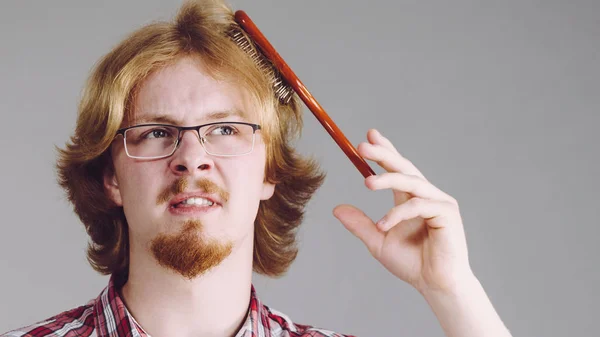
(199,29)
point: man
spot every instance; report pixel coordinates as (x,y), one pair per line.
(182,171)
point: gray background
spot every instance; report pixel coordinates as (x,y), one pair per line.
(496,102)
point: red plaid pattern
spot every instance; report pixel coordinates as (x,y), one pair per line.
(107,316)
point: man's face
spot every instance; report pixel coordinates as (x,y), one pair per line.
(183,94)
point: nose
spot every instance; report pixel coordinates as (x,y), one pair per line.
(190,155)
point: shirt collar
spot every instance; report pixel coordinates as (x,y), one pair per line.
(112,319)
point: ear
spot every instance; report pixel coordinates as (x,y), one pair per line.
(268,190)
(111,186)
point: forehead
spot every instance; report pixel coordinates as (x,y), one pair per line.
(184,93)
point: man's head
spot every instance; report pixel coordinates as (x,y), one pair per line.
(186,73)
(184,94)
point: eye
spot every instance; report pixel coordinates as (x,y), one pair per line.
(157,133)
(223,130)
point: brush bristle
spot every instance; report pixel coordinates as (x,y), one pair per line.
(282,90)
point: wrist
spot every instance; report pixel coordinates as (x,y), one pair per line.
(465,310)
(460,286)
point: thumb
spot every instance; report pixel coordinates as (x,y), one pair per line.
(359,224)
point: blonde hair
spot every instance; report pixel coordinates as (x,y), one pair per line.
(200,29)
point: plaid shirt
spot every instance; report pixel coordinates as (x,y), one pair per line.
(107,316)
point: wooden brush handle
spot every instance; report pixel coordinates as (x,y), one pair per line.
(288,75)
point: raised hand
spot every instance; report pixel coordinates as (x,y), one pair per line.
(421,239)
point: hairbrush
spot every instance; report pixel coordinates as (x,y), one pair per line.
(285,82)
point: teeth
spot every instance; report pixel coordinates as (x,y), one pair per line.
(197,201)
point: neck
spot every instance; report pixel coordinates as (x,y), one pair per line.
(167,304)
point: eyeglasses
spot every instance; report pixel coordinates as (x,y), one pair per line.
(154,141)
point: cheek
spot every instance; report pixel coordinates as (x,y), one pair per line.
(245,181)
(138,186)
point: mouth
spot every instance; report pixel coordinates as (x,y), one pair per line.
(194,202)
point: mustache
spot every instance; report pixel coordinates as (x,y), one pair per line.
(181,184)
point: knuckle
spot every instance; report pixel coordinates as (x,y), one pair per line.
(416,202)
(453,201)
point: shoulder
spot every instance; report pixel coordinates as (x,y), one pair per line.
(282,326)
(77,322)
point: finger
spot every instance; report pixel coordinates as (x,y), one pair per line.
(390,160)
(438,214)
(413,185)
(385,158)
(359,224)
(375,137)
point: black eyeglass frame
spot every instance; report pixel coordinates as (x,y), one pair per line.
(180,130)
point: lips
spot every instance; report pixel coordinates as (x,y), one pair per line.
(176,200)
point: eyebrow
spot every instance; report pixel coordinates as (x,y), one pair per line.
(166,119)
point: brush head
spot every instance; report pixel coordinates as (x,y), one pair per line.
(282,90)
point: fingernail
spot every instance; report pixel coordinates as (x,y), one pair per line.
(382,223)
